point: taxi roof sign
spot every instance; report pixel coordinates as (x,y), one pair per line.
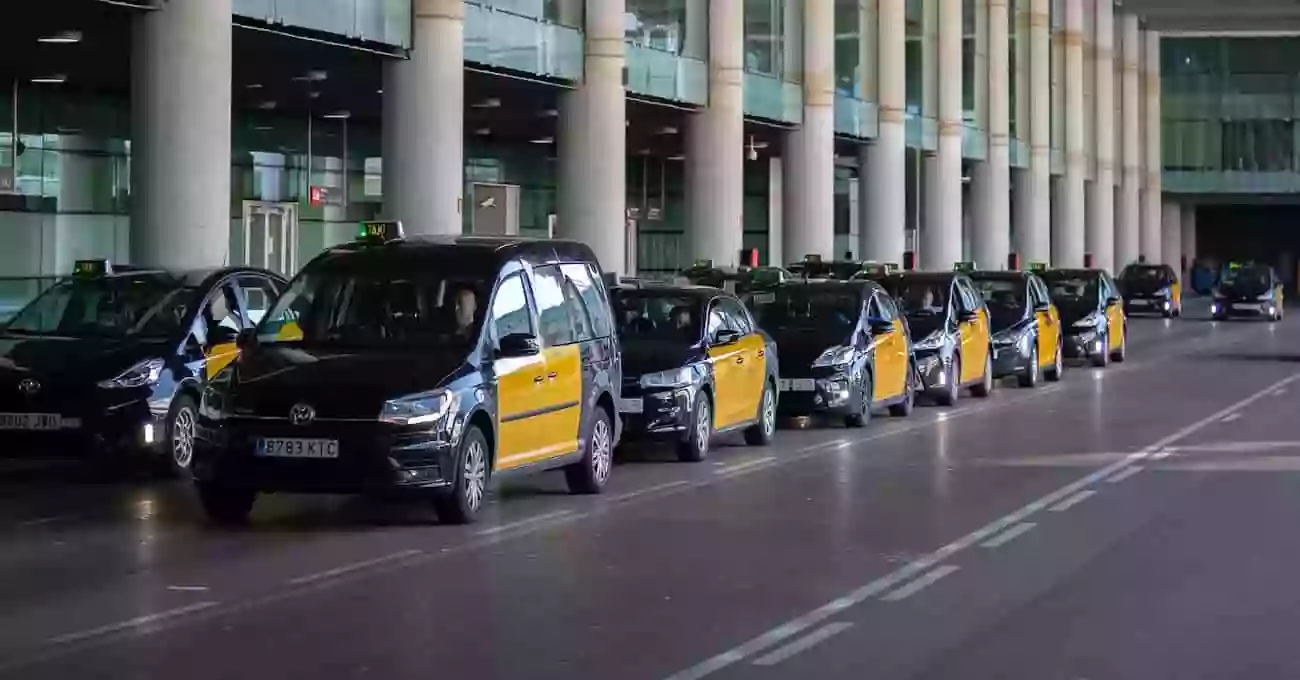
(381,231)
(1037,267)
(963,266)
(89,268)
(812,257)
(704,263)
(879,268)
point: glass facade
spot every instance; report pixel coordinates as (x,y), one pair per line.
(773,44)
(504,34)
(382,21)
(668,49)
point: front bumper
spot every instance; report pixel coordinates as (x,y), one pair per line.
(85,428)
(1083,343)
(1244,309)
(657,410)
(1011,360)
(1149,305)
(834,394)
(934,369)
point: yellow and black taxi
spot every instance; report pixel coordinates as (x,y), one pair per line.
(1026,326)
(1151,289)
(845,351)
(112,360)
(694,364)
(1093,323)
(814,267)
(430,365)
(874,271)
(950,329)
(739,280)
(1247,290)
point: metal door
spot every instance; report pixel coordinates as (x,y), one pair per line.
(271,236)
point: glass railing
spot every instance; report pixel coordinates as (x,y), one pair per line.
(974,143)
(383,21)
(494,37)
(855,117)
(922,133)
(17,291)
(773,98)
(656,73)
(1212,182)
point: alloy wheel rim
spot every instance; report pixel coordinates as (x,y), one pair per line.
(702,427)
(769,412)
(183,438)
(600,451)
(475,475)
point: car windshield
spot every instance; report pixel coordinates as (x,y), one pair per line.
(918,297)
(807,308)
(657,315)
(1137,273)
(1070,289)
(1005,298)
(1251,280)
(372,301)
(114,307)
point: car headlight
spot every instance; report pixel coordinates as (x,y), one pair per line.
(1093,320)
(1218,294)
(424,409)
(1164,292)
(931,341)
(1266,296)
(142,374)
(835,356)
(677,377)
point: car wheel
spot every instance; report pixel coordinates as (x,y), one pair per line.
(225,505)
(761,433)
(1054,373)
(695,447)
(1030,377)
(461,503)
(182,420)
(863,416)
(1102,359)
(1118,356)
(590,474)
(904,407)
(985,386)
(953,389)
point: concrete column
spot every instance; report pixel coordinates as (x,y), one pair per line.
(1068,238)
(941,234)
(1153,199)
(1171,234)
(1100,228)
(180,135)
(991,183)
(810,148)
(424,123)
(1034,218)
(1129,215)
(593,143)
(715,143)
(1188,229)
(883,198)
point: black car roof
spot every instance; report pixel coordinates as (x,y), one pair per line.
(995,275)
(1093,273)
(196,278)
(924,276)
(830,284)
(705,293)
(486,251)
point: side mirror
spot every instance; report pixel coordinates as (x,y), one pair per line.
(519,345)
(726,336)
(1045,307)
(880,326)
(1112,300)
(968,315)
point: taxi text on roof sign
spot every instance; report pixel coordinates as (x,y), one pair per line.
(812,257)
(963,266)
(380,230)
(92,268)
(704,263)
(1037,266)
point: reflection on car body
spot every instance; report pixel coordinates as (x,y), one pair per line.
(429,365)
(1092,314)
(1248,291)
(113,359)
(1153,288)
(694,364)
(844,349)
(1026,326)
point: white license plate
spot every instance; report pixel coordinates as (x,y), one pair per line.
(1247,307)
(798,384)
(292,447)
(38,422)
(630,405)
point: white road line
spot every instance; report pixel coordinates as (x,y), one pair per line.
(740,467)
(137,622)
(803,644)
(355,566)
(654,489)
(525,522)
(1162,454)
(38,521)
(1230,417)
(1009,535)
(1279,392)
(921,583)
(188,589)
(801,623)
(1074,500)
(1125,474)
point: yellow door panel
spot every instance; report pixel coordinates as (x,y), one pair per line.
(1115,318)
(728,385)
(1176,293)
(520,396)
(558,429)
(289,332)
(974,346)
(219,357)
(1046,346)
(754,351)
(890,364)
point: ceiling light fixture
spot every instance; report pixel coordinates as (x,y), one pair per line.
(312,77)
(483,131)
(266,106)
(51,80)
(253,86)
(544,140)
(61,38)
(262,128)
(490,103)
(338,115)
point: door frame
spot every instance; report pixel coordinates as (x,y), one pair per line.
(288,255)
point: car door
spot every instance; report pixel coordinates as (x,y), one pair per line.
(890,349)
(1048,320)
(728,362)
(560,420)
(222,316)
(1114,311)
(520,381)
(752,350)
(1175,287)
(974,333)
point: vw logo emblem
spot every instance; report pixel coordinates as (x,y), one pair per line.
(29,386)
(302,414)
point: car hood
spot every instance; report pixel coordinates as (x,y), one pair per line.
(72,361)
(800,348)
(338,383)
(642,356)
(1073,311)
(922,326)
(1140,287)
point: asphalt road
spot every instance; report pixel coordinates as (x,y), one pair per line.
(1131,522)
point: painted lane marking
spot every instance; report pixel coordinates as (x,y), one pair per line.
(1162,454)
(1279,392)
(801,623)
(737,467)
(1073,500)
(650,490)
(1230,417)
(1235,447)
(921,583)
(38,521)
(188,589)
(1125,474)
(803,644)
(1009,535)
(529,521)
(138,622)
(355,566)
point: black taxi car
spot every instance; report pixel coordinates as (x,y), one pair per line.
(1248,291)
(814,267)
(429,365)
(739,280)
(1151,288)
(1093,322)
(1026,325)
(845,351)
(950,329)
(694,364)
(112,360)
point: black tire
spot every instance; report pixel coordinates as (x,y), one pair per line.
(952,392)
(695,447)
(590,474)
(225,505)
(178,435)
(1119,355)
(904,407)
(1057,369)
(1102,359)
(761,432)
(985,386)
(863,416)
(1030,377)
(461,503)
